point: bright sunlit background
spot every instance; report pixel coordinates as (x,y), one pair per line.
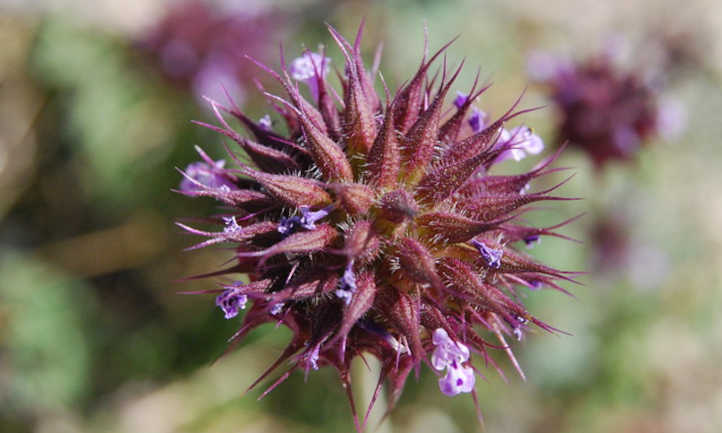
(96,100)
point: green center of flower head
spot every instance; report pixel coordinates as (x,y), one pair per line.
(376,226)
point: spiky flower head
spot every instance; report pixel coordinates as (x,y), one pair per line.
(374,225)
(606,111)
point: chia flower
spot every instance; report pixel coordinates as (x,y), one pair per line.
(201,47)
(375,225)
(605,111)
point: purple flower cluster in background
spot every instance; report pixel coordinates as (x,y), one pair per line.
(202,47)
(605,110)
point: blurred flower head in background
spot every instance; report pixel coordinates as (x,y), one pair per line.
(375,226)
(605,110)
(202,47)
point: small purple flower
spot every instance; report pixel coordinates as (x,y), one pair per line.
(205,174)
(535,284)
(460,100)
(348,283)
(309,218)
(525,138)
(231,302)
(306,68)
(531,240)
(458,379)
(522,141)
(516,329)
(276,309)
(447,350)
(477,120)
(288,225)
(450,355)
(231,225)
(265,122)
(349,279)
(344,295)
(491,255)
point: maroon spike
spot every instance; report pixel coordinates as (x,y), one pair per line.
(479,414)
(294,128)
(292,90)
(398,206)
(329,158)
(254,290)
(306,288)
(533,280)
(355,198)
(461,281)
(449,131)
(377,59)
(243,267)
(514,262)
(291,190)
(278,381)
(255,317)
(409,100)
(462,276)
(451,227)
(384,158)
(268,159)
(397,378)
(302,242)
(294,346)
(263,136)
(361,243)
(238,197)
(475,144)
(444,179)
(417,262)
(346,383)
(240,235)
(326,105)
(514,232)
(374,396)
(402,312)
(487,207)
(503,184)
(366,80)
(418,144)
(483,140)
(358,114)
(361,302)
(359,121)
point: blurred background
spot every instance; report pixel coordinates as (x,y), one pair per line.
(96,100)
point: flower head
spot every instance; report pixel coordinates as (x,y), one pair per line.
(378,227)
(607,112)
